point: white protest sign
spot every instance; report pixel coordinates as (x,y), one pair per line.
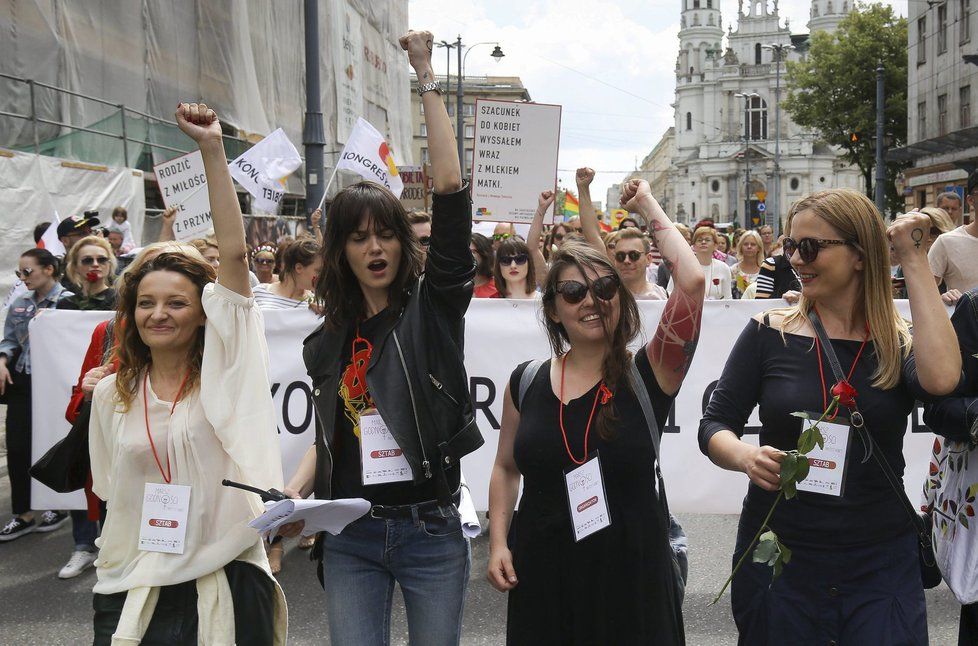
(261,168)
(183,185)
(514,159)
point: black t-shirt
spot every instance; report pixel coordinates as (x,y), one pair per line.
(103,301)
(352,399)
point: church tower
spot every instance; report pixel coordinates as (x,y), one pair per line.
(827,14)
(700,35)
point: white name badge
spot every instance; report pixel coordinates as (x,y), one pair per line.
(586,497)
(163,527)
(381,459)
(827,467)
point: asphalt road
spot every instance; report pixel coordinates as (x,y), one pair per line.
(38,608)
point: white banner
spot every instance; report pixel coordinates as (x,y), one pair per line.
(514,159)
(183,185)
(367,154)
(500,334)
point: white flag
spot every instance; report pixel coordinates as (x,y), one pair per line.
(261,169)
(367,154)
(50,239)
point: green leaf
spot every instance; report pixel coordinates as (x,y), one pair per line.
(789,465)
(790,490)
(778,567)
(802,414)
(819,438)
(785,553)
(806,441)
(767,548)
(803,467)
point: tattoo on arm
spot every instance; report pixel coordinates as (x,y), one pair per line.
(429,44)
(917,235)
(676,337)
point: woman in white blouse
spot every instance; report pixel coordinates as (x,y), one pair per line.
(717,272)
(189,405)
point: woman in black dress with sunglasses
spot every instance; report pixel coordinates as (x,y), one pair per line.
(573,577)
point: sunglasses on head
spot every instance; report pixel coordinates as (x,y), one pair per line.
(23,273)
(631,255)
(424,240)
(520,259)
(808,248)
(501,236)
(574,291)
(88,261)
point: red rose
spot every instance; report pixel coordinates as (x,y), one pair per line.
(92,276)
(716,281)
(846,394)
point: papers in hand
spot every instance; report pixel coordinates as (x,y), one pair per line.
(320,515)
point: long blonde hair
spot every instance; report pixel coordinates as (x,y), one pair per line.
(73,257)
(858,221)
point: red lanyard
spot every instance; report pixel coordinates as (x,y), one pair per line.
(602,390)
(169,474)
(821,371)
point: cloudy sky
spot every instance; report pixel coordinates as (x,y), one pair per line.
(610,64)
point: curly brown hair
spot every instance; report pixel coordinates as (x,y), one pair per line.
(615,368)
(133,354)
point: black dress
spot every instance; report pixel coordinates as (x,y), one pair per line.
(616,586)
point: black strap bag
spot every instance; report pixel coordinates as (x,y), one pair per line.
(65,466)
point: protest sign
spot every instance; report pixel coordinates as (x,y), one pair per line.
(183,185)
(514,159)
(261,168)
(415,194)
(367,154)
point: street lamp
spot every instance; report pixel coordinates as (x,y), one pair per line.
(774,216)
(497,53)
(747,97)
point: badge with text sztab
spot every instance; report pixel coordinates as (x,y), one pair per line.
(163,527)
(586,497)
(827,466)
(381,459)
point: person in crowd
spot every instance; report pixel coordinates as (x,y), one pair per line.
(951,203)
(38,268)
(940,223)
(263,262)
(853,557)
(954,255)
(208,248)
(281,243)
(301,265)
(90,264)
(954,418)
(513,270)
(482,253)
(663,275)
(685,232)
(115,238)
(767,237)
(632,257)
(73,229)
(575,225)
(611,241)
(541,253)
(777,278)
(421,223)
(628,223)
(586,224)
(199,348)
(717,273)
(501,232)
(745,272)
(379,310)
(120,222)
(622,577)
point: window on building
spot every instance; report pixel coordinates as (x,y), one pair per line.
(828,8)
(794,184)
(715,186)
(757,54)
(468,109)
(425,158)
(756,126)
(451,108)
(941,28)
(696,4)
(941,115)
(964,101)
(421,105)
(709,4)
(424,129)
(469,131)
(468,158)
(921,40)
(922,120)
(964,20)
(689,121)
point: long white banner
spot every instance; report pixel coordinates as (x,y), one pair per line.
(500,334)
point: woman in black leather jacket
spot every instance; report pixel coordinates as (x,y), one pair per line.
(391,397)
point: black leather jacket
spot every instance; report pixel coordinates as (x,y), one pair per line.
(416,377)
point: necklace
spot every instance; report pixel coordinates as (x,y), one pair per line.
(169,474)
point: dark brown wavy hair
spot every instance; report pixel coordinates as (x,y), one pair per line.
(615,368)
(133,354)
(513,247)
(338,288)
(298,252)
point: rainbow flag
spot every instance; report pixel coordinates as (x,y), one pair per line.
(571,206)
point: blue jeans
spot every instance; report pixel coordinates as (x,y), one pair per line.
(83,531)
(428,557)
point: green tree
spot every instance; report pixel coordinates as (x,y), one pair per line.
(832,91)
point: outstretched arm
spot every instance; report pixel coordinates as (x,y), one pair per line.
(442,147)
(533,237)
(200,123)
(589,219)
(671,349)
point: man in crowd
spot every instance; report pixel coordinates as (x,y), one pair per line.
(954,256)
(632,257)
(951,202)
(503,231)
(73,229)
(767,237)
(421,223)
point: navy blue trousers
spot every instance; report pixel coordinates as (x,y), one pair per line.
(833,596)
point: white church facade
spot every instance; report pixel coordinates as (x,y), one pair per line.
(720,137)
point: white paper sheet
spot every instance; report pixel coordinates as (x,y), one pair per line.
(320,515)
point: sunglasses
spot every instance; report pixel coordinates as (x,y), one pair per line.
(264,261)
(501,236)
(631,255)
(574,291)
(425,241)
(520,259)
(808,248)
(88,261)
(558,237)
(23,273)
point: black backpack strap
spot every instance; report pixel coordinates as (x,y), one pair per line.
(529,373)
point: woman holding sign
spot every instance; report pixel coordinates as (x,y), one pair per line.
(587,560)
(391,396)
(189,405)
(853,575)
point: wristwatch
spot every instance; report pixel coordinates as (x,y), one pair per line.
(429,87)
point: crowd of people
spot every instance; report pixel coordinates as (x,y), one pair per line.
(175,395)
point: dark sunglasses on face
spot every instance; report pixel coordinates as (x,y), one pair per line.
(631,255)
(558,237)
(425,241)
(23,273)
(808,248)
(574,291)
(264,261)
(520,259)
(498,237)
(88,261)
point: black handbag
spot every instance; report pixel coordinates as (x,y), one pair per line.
(65,467)
(930,574)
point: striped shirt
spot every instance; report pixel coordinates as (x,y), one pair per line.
(267,300)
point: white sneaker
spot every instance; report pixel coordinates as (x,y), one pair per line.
(79,562)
